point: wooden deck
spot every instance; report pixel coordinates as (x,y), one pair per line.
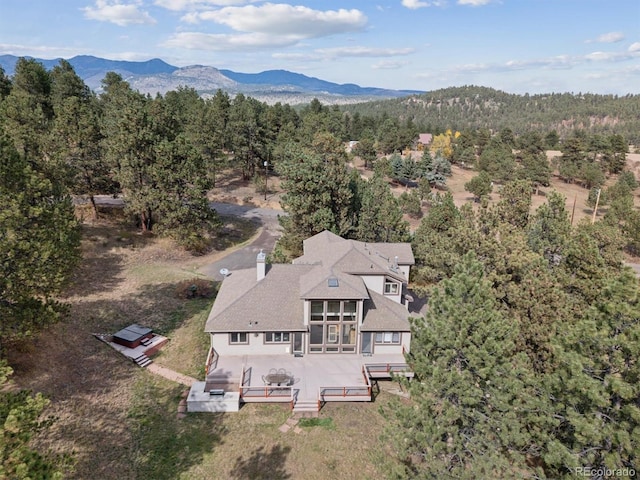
(316,378)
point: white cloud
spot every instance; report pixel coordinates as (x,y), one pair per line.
(612,56)
(415,4)
(386,65)
(474,3)
(634,47)
(121,14)
(46,51)
(286,20)
(222,42)
(178,5)
(611,37)
(324,54)
(364,52)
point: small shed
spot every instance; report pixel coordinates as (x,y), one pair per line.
(132,336)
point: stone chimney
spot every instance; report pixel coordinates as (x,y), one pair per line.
(261,265)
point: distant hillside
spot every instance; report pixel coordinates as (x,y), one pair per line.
(156,76)
(87,66)
(472,107)
(286,78)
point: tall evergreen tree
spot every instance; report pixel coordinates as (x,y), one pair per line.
(39,245)
(75,138)
(380,216)
(20,420)
(318,196)
(596,387)
(434,240)
(465,422)
(515,203)
(129,140)
(27,110)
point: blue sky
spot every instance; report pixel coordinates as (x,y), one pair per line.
(520,46)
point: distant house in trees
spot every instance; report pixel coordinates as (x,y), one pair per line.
(320,329)
(424,140)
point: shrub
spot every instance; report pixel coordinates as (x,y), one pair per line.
(196,288)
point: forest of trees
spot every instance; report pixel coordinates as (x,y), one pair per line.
(526,361)
(527,356)
(473,108)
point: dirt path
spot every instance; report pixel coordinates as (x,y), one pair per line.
(171,374)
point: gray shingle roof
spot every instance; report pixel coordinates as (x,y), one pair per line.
(275,303)
(315,284)
(351,256)
(382,314)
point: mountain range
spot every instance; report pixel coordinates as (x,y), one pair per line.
(271,86)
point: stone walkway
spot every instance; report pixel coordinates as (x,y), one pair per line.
(171,375)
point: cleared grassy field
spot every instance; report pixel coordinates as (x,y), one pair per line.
(119,421)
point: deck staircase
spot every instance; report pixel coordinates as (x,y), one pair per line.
(306,408)
(142,360)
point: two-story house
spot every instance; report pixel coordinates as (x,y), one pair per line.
(342,305)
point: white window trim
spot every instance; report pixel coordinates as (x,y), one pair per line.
(269,337)
(240,341)
(388,338)
(394,286)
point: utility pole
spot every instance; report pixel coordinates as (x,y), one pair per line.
(266,178)
(595,210)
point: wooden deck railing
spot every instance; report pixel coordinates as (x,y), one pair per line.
(347,390)
(266,391)
(387,368)
(212,358)
(263,391)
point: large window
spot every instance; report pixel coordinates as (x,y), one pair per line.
(333,326)
(391,288)
(317,311)
(277,337)
(388,338)
(238,338)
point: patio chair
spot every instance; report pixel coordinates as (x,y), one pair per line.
(273,371)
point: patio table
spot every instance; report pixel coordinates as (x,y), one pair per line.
(277,378)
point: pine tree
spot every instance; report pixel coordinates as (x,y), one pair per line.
(515,203)
(20,420)
(39,245)
(434,241)
(464,420)
(318,196)
(479,186)
(549,228)
(380,216)
(75,138)
(596,387)
(27,110)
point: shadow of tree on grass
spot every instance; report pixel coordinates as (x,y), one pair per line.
(262,465)
(116,420)
(164,445)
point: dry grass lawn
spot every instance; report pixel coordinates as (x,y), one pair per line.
(119,421)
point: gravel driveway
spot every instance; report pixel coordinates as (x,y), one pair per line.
(245,257)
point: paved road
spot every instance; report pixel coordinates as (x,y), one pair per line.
(636,268)
(245,257)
